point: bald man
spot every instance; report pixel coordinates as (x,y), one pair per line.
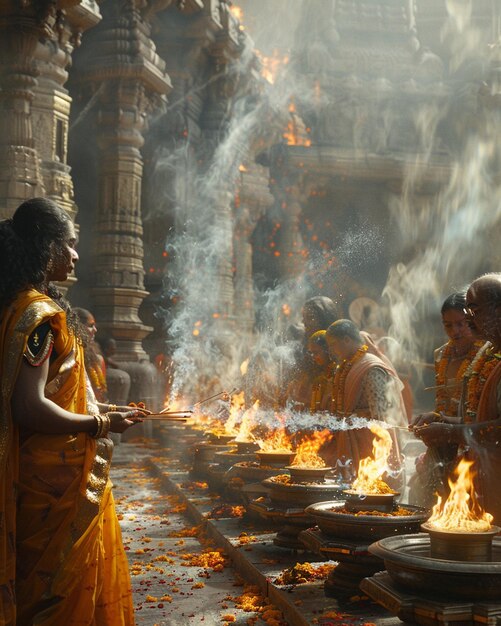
(480,434)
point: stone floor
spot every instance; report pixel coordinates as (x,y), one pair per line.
(156,501)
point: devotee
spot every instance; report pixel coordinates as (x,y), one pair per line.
(451,363)
(364,385)
(94,360)
(321,384)
(108,380)
(61,551)
(479,437)
(318,313)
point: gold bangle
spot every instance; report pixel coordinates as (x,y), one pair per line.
(99,426)
(112,408)
(106,425)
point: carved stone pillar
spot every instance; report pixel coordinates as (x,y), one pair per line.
(252,200)
(51,106)
(20,176)
(122,67)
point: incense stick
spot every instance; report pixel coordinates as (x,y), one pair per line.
(216,395)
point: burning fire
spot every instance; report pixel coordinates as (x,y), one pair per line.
(307,451)
(247,423)
(244,366)
(238,14)
(295,133)
(277,441)
(236,407)
(461,511)
(371,469)
(271,66)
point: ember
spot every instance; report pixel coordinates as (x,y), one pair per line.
(399,512)
(303,573)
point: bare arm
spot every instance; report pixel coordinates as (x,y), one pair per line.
(34,412)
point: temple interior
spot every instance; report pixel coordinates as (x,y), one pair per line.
(227,162)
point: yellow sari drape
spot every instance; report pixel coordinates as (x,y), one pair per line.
(60,530)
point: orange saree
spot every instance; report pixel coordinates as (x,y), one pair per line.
(62,559)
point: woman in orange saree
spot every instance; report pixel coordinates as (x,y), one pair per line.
(61,555)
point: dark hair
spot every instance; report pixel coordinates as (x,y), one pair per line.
(26,245)
(455,302)
(324,309)
(345,328)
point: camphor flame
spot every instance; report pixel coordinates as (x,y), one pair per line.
(247,423)
(277,441)
(237,406)
(244,366)
(461,511)
(371,469)
(307,451)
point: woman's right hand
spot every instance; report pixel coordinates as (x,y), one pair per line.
(120,421)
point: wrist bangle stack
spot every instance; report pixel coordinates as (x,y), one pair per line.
(102,426)
(112,408)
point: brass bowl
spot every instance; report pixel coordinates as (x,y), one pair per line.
(383,502)
(246,447)
(461,546)
(279,458)
(333,523)
(307,474)
(300,495)
(218,438)
(408,560)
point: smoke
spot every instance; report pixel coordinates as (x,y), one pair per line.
(448,201)
(445,232)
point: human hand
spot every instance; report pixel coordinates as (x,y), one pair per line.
(425,418)
(437,433)
(120,421)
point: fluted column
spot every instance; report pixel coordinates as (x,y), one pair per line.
(122,67)
(20,176)
(51,106)
(252,200)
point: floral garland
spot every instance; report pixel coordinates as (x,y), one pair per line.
(481,368)
(338,387)
(442,398)
(98,382)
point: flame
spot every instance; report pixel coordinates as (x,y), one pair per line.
(307,451)
(461,511)
(242,168)
(271,65)
(244,366)
(237,405)
(295,129)
(247,424)
(286,310)
(277,441)
(373,467)
(238,14)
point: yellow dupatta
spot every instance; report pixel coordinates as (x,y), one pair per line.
(65,513)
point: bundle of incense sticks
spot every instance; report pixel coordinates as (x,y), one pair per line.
(169,415)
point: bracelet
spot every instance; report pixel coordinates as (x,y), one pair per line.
(103,426)
(112,408)
(106,425)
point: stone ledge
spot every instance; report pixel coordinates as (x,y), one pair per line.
(261,561)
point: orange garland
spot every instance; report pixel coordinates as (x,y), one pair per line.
(338,387)
(441,397)
(98,382)
(481,368)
